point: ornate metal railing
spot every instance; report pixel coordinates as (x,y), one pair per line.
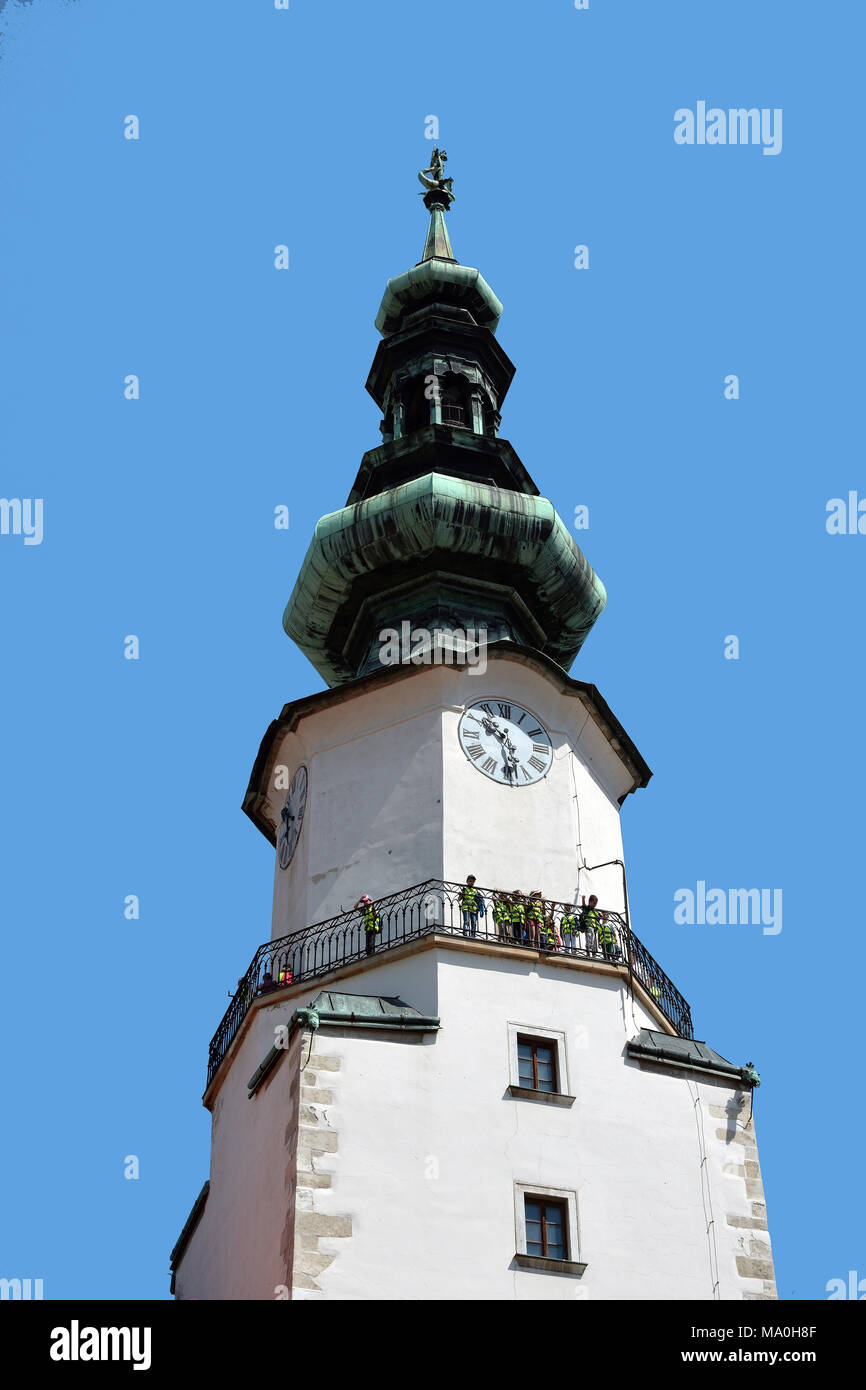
(422,910)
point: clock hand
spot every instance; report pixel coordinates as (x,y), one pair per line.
(509,756)
(491,726)
(499,733)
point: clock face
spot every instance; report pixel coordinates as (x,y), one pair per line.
(291,816)
(506,742)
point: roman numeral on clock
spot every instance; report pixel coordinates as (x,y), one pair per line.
(488,765)
(540,748)
(474,750)
(533,733)
(486,708)
(536,763)
(525,773)
(505,711)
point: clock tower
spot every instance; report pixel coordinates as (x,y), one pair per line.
(436,1075)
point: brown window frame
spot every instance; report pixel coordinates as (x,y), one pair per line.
(544,1203)
(549,1044)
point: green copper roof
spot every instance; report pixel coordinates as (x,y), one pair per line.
(438,275)
(383,1010)
(459,284)
(684,1052)
(441,523)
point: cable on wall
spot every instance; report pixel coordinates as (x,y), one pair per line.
(706,1195)
(572,749)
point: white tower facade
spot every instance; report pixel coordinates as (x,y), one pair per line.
(426,1088)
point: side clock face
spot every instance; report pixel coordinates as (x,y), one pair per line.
(291,817)
(506,742)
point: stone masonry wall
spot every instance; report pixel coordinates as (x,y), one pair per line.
(754,1256)
(316,1227)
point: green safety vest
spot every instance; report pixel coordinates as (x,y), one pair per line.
(501,912)
(591,919)
(549,934)
(518,913)
(469,899)
(568,923)
(605,931)
(372,920)
(535,912)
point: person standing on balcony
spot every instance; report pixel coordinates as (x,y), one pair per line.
(607,938)
(589,922)
(469,905)
(372,922)
(549,937)
(569,930)
(535,917)
(243,994)
(617,932)
(518,916)
(502,914)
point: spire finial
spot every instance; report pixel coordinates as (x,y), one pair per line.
(437,199)
(437,186)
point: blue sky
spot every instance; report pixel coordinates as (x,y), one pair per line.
(707,518)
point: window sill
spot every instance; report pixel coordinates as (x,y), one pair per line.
(550,1266)
(552,1097)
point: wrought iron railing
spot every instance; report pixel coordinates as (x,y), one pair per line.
(423,910)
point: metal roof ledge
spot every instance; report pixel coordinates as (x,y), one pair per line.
(667,1050)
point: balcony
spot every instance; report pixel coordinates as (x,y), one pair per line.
(429,909)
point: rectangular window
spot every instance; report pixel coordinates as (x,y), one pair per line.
(536,1064)
(546,1228)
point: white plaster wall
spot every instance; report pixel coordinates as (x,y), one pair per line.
(235,1251)
(373,820)
(431,1145)
(527,837)
(290,885)
(393,800)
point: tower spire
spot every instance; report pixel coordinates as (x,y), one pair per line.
(437,199)
(443,522)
